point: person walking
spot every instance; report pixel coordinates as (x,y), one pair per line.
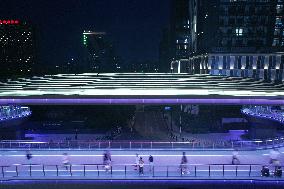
(183,164)
(235,159)
(108,155)
(107,161)
(65,161)
(151,163)
(141,166)
(28,155)
(136,161)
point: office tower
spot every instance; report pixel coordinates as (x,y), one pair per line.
(17,48)
(240,38)
(236,26)
(175,40)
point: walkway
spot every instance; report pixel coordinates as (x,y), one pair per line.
(87,164)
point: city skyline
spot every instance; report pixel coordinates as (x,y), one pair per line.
(135,27)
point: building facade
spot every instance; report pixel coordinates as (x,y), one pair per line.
(236,26)
(17,49)
(264,66)
(176,38)
(242,38)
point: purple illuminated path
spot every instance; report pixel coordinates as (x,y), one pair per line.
(136,101)
(120,158)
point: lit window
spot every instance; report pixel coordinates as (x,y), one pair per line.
(239,31)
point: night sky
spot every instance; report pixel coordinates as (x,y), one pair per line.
(134,26)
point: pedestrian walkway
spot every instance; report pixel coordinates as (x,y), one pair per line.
(89,164)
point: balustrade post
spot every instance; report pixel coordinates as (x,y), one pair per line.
(84,170)
(223,170)
(98,170)
(43,170)
(71,170)
(167,171)
(249,170)
(17,173)
(57,170)
(236,170)
(195,170)
(209,170)
(30,170)
(125,170)
(3,174)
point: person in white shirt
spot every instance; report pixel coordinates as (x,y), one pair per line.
(235,159)
(141,166)
(65,161)
(136,161)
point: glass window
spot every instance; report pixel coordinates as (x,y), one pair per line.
(239,31)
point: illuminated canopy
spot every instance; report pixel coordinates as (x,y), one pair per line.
(131,88)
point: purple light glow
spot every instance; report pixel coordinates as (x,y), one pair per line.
(161,101)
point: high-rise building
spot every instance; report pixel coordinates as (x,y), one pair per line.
(99,53)
(243,38)
(236,26)
(176,39)
(164,52)
(180,29)
(17,48)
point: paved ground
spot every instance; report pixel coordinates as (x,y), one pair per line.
(166,163)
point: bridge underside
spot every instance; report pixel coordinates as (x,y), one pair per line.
(132,88)
(140,101)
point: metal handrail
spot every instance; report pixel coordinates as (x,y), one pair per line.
(84,145)
(166,171)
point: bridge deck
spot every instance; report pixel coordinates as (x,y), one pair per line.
(87,165)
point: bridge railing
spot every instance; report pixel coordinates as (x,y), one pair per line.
(140,145)
(264,112)
(130,170)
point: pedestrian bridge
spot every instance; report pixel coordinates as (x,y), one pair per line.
(139,88)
